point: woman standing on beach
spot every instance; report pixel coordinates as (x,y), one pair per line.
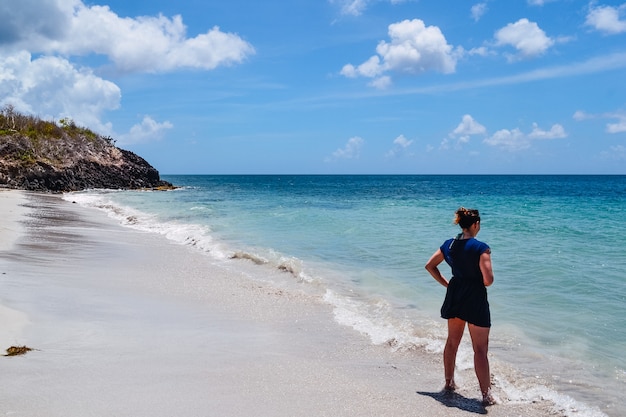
(466,297)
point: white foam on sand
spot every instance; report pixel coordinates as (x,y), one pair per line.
(126,323)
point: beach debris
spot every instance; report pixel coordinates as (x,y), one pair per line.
(287,266)
(17,350)
(254,258)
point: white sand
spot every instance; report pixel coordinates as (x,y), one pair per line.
(129,324)
(11,210)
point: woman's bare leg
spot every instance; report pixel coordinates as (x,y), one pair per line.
(480,343)
(456,327)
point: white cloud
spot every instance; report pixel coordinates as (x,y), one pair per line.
(607,19)
(400,146)
(39,39)
(617,127)
(53,88)
(417,48)
(381,83)
(480,51)
(525,36)
(469,126)
(349,71)
(370,68)
(515,140)
(478,10)
(146,131)
(402,142)
(462,133)
(581,115)
(512,140)
(142,44)
(351,7)
(352,150)
(536,2)
(556,132)
(413,48)
(357,7)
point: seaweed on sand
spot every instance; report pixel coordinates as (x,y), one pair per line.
(17,350)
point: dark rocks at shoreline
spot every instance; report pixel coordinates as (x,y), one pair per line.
(62,165)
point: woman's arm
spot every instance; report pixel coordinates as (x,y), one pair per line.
(432,267)
(485,267)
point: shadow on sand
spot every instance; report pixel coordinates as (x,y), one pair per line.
(453,399)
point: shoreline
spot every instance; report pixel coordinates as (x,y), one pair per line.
(128,323)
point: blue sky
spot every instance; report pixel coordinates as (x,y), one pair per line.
(330,86)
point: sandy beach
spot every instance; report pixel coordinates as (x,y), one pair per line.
(125,323)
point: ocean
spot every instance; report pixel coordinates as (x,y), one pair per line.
(558,302)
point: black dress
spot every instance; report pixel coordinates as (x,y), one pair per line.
(466,297)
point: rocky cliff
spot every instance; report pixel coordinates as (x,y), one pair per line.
(40,155)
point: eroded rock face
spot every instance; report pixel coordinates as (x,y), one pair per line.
(72,163)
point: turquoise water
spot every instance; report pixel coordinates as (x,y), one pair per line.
(559,298)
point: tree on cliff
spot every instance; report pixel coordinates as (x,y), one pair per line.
(42,155)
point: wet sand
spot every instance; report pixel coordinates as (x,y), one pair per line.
(125,323)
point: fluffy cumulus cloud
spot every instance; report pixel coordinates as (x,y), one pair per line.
(462,133)
(515,140)
(142,44)
(509,139)
(526,37)
(351,150)
(556,132)
(400,147)
(40,38)
(146,131)
(413,48)
(150,44)
(52,87)
(610,20)
(468,126)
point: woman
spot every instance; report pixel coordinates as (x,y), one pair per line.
(466,297)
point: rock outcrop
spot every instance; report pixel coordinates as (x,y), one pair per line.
(42,156)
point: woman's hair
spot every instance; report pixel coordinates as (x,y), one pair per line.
(466,217)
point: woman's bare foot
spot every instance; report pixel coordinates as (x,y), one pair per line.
(488,398)
(450,385)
